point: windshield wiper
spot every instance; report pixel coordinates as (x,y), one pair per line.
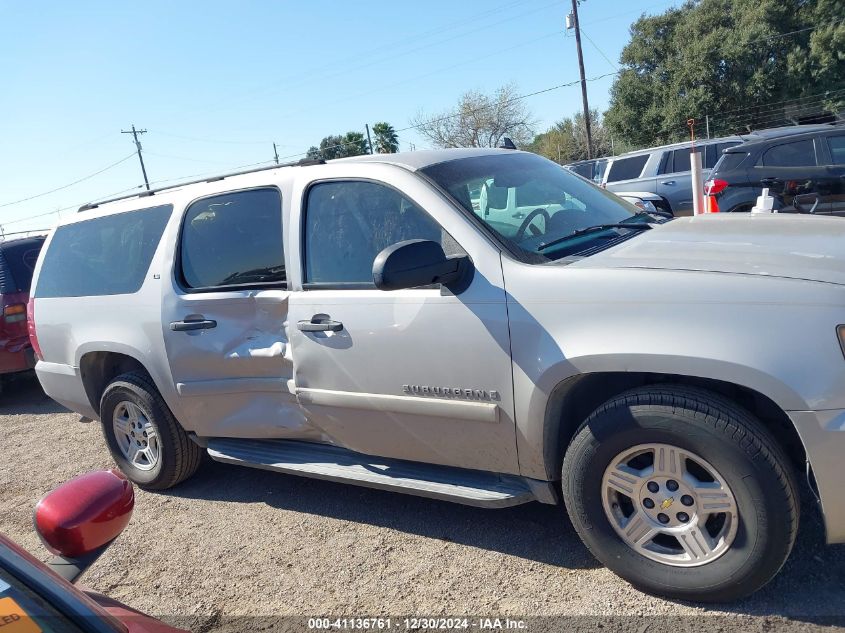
(593,229)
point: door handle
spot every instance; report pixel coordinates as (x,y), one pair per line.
(667,182)
(319,323)
(768,181)
(190,326)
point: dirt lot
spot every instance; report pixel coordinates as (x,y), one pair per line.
(239,542)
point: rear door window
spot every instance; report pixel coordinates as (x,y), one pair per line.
(103,256)
(681,160)
(794,154)
(627,168)
(233,240)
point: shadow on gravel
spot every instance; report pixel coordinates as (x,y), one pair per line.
(810,587)
(22,394)
(533,531)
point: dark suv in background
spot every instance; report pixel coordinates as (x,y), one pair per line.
(17,261)
(804,172)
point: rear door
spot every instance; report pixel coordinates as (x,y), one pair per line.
(674,180)
(224,318)
(791,172)
(420,374)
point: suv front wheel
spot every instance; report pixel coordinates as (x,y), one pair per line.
(682,493)
(145,440)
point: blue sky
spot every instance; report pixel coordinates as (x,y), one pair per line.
(216,83)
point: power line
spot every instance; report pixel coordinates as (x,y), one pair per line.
(207,140)
(595,46)
(316,75)
(75,182)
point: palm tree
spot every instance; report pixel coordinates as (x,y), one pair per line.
(386,141)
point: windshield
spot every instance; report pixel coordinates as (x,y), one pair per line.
(533,204)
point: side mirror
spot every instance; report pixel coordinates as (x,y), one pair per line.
(78,520)
(414,263)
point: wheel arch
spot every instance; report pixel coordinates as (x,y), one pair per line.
(98,368)
(575,398)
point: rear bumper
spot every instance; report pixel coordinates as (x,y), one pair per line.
(823,435)
(63,384)
(13,362)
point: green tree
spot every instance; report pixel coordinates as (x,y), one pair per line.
(480,120)
(745,63)
(337,146)
(386,140)
(566,141)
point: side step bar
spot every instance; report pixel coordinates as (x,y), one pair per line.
(321,461)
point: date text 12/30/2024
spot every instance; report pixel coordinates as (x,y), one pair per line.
(416,624)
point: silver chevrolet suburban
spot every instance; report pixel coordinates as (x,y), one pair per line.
(368,320)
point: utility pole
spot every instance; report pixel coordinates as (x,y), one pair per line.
(369,140)
(577,28)
(135,134)
(276,153)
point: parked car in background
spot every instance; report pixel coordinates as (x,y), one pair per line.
(77,522)
(664,171)
(649,202)
(17,261)
(592,169)
(805,173)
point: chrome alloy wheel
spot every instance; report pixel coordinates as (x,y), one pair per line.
(136,436)
(669,505)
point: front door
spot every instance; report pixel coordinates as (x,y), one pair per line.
(223,317)
(419,374)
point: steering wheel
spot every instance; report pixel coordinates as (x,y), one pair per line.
(527,222)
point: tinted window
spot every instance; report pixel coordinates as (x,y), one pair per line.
(729,161)
(233,239)
(714,151)
(103,256)
(837,149)
(681,160)
(17,261)
(627,168)
(795,154)
(347,223)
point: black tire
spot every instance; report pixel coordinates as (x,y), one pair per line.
(179,456)
(733,442)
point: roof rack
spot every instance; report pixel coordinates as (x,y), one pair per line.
(144,194)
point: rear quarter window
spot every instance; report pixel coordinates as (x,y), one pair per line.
(730,161)
(103,256)
(627,168)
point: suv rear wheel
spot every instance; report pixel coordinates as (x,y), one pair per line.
(682,493)
(144,438)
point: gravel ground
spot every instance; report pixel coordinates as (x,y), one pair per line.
(239,542)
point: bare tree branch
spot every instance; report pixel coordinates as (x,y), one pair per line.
(480,120)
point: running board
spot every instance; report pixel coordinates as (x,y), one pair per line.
(323,461)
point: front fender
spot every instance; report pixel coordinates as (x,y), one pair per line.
(773,336)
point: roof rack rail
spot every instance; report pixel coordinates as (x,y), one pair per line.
(299,163)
